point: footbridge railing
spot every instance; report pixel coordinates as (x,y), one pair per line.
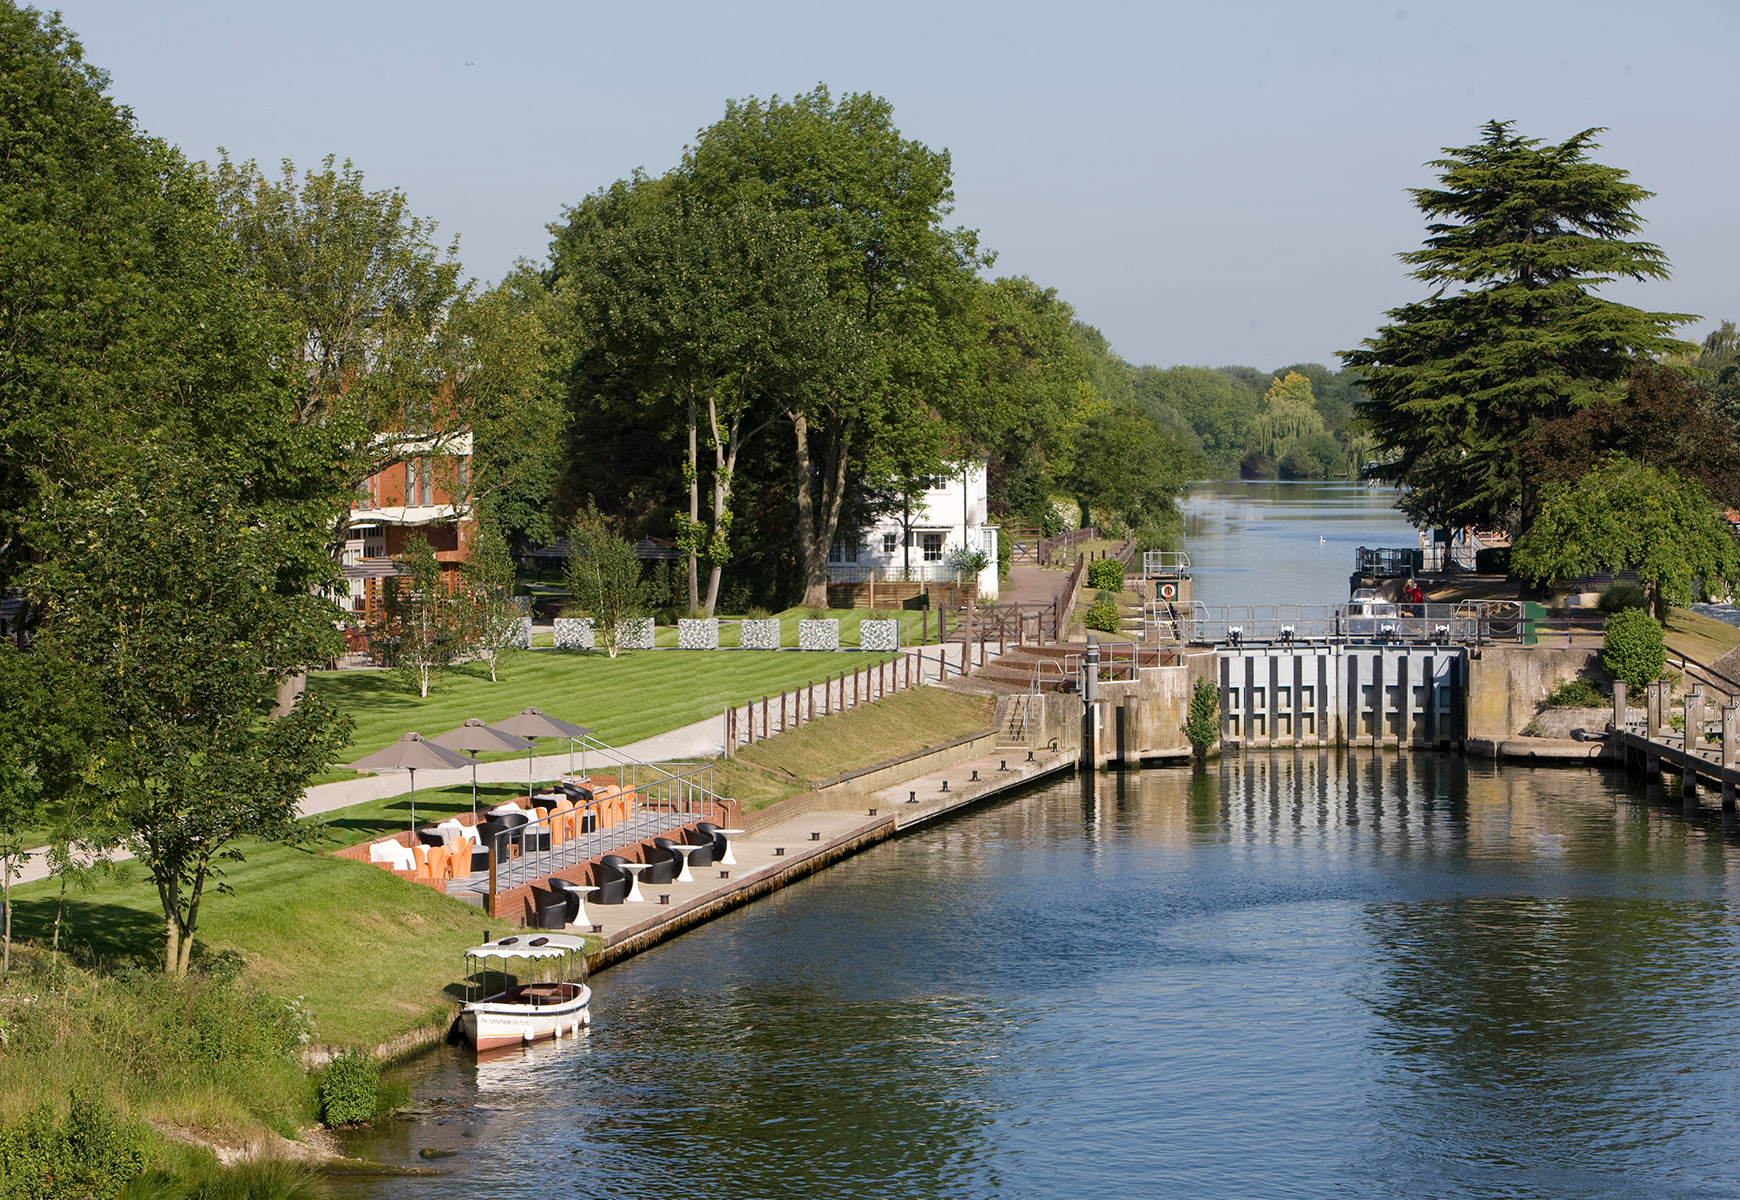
(1468,623)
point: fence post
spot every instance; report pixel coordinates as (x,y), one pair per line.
(782,725)
(766,731)
(926,639)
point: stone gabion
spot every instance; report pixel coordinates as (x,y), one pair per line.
(635,634)
(522,639)
(879,635)
(759,633)
(819,635)
(698,634)
(575,633)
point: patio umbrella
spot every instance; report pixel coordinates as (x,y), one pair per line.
(533,723)
(474,735)
(410,753)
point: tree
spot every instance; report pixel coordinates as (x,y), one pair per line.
(727,315)
(872,204)
(603,577)
(1623,515)
(1663,421)
(1719,359)
(186,608)
(423,616)
(1126,469)
(495,618)
(1522,235)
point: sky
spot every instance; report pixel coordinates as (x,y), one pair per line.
(1208,183)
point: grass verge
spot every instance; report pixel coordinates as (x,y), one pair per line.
(1697,636)
(794,762)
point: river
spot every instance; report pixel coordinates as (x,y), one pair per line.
(1349,975)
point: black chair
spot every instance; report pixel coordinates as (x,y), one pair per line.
(711,832)
(612,883)
(489,834)
(701,858)
(553,908)
(678,858)
(661,865)
(581,798)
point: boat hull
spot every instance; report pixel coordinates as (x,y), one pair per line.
(507,1021)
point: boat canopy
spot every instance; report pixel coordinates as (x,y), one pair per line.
(544,945)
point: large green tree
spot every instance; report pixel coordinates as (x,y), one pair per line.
(724,316)
(873,206)
(1522,236)
(1128,470)
(1625,515)
(186,607)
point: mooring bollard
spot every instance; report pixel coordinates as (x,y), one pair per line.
(815,837)
(724,874)
(975,777)
(945,785)
(912,797)
(779,851)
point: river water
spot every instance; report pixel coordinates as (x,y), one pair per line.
(1349,975)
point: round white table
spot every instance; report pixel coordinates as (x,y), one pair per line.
(726,860)
(685,875)
(634,870)
(581,917)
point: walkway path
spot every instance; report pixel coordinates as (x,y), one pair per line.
(703,739)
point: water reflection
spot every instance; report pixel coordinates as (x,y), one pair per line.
(1302,975)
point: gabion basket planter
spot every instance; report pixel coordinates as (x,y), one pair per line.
(523,634)
(635,634)
(759,633)
(879,635)
(819,635)
(698,633)
(575,633)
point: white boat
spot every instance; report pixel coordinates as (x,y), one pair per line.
(550,1002)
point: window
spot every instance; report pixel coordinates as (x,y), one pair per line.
(461,471)
(933,544)
(890,542)
(410,482)
(843,552)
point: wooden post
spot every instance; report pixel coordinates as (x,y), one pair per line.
(1730,752)
(1694,711)
(926,639)
(765,731)
(1652,728)
(1619,706)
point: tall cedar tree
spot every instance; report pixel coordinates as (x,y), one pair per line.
(1522,234)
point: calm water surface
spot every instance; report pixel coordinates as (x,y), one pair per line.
(1284,543)
(1289,976)
(1349,976)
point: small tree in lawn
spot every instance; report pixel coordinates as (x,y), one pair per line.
(603,576)
(495,618)
(425,614)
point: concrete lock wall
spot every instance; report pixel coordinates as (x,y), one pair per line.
(1506,685)
(1343,695)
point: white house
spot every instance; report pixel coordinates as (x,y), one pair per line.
(919,542)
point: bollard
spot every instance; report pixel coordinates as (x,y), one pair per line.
(872,812)
(975,777)
(779,851)
(945,785)
(664,897)
(725,874)
(912,797)
(1004,766)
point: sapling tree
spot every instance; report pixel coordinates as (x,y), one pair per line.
(425,616)
(603,577)
(1202,724)
(494,615)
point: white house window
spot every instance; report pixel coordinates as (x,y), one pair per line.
(890,542)
(933,546)
(843,552)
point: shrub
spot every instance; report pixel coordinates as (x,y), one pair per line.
(1633,649)
(1005,553)
(93,1153)
(1622,596)
(1106,574)
(1202,725)
(1102,614)
(349,1087)
(1575,693)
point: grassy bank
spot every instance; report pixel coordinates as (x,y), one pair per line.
(624,699)
(1697,636)
(794,762)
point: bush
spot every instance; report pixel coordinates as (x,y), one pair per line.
(1106,574)
(349,1087)
(1575,693)
(1622,596)
(93,1153)
(1102,614)
(1005,553)
(1633,649)
(1202,726)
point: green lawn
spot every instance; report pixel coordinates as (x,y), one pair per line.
(624,699)
(370,953)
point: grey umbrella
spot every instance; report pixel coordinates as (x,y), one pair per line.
(533,723)
(410,753)
(474,735)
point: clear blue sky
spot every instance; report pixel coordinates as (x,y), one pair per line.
(1207,183)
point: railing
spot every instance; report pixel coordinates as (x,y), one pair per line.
(1063,542)
(1699,673)
(1475,622)
(1386,562)
(1165,564)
